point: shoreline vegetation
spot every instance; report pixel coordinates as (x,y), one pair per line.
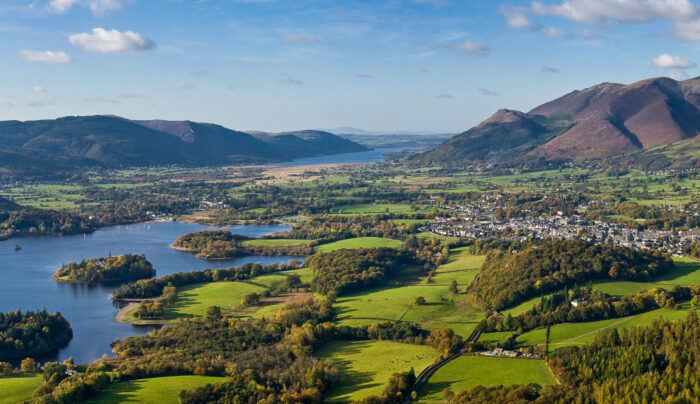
(222,245)
(127,267)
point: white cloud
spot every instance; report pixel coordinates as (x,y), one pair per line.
(97,6)
(673,64)
(299,38)
(472,48)
(516,17)
(487,92)
(554,32)
(45,56)
(667,61)
(101,40)
(593,11)
(38,89)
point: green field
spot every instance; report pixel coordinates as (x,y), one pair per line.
(156,390)
(379,208)
(582,333)
(16,389)
(365,366)
(275,242)
(391,303)
(360,242)
(469,371)
(275,280)
(462,266)
(193,300)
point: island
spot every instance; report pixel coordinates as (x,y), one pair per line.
(128,267)
(32,334)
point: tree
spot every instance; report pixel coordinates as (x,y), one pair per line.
(213,312)
(250,299)
(28,365)
(292,282)
(454,288)
(695,303)
(419,301)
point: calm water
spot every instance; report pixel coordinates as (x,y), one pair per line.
(372,156)
(26,283)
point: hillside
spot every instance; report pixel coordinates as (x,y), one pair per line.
(602,121)
(109,141)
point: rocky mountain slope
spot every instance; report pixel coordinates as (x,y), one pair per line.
(602,121)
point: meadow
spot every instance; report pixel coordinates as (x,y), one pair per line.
(155,390)
(360,242)
(193,300)
(469,371)
(569,334)
(462,267)
(366,365)
(17,389)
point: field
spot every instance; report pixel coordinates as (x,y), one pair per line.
(469,371)
(156,390)
(373,209)
(366,365)
(360,242)
(193,300)
(16,389)
(581,333)
(394,302)
(462,266)
(275,280)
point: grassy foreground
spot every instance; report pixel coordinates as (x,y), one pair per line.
(360,242)
(157,390)
(365,366)
(469,371)
(17,389)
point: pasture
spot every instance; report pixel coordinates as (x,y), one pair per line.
(155,390)
(469,371)
(360,242)
(17,389)
(365,366)
(193,300)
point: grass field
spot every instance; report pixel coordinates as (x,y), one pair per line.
(379,208)
(275,242)
(360,242)
(193,300)
(582,333)
(277,279)
(469,371)
(156,390)
(462,266)
(365,366)
(442,309)
(17,389)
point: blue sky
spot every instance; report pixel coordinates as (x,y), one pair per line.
(409,65)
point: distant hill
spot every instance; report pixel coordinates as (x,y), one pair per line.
(603,121)
(408,141)
(110,141)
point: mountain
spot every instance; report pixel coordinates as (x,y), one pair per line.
(110,141)
(602,121)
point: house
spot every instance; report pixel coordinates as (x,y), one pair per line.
(577,302)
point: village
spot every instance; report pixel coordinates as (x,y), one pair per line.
(478,222)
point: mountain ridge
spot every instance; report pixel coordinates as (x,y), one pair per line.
(110,141)
(599,122)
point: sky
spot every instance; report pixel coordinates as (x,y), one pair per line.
(380,65)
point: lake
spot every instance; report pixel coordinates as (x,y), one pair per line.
(26,277)
(372,156)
